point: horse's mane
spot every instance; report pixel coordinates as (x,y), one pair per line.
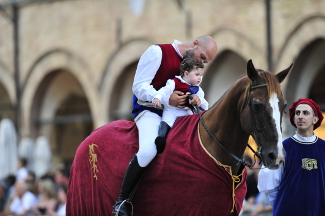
(273,85)
(270,79)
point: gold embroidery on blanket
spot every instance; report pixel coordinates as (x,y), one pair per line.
(309,164)
(236,180)
(93,160)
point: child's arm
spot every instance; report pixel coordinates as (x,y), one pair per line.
(164,93)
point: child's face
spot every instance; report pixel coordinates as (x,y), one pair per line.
(194,77)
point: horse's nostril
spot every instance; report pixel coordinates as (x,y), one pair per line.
(271,156)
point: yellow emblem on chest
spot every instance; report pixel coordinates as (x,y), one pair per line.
(93,160)
(309,164)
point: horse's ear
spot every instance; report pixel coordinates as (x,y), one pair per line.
(251,71)
(282,75)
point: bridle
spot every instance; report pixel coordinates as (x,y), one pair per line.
(258,154)
(240,161)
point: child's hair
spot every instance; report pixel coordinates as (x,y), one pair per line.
(188,64)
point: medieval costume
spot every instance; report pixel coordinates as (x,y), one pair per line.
(298,186)
(178,84)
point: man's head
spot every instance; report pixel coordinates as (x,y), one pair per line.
(20,188)
(305,115)
(203,48)
(62,175)
(3,189)
(22,162)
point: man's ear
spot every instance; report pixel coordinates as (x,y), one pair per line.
(315,119)
(195,43)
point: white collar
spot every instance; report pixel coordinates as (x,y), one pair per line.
(305,139)
(183,81)
(175,43)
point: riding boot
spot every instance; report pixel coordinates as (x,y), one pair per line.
(161,138)
(133,174)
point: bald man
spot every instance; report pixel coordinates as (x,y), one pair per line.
(298,187)
(157,64)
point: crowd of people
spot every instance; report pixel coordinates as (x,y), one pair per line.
(24,194)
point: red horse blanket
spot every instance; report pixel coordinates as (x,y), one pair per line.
(183,180)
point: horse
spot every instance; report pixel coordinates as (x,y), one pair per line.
(200,171)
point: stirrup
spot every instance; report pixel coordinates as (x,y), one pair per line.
(124,201)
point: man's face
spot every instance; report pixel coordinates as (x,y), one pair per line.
(19,189)
(203,54)
(304,118)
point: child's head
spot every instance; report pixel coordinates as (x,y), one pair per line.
(192,70)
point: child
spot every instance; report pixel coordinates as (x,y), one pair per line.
(191,71)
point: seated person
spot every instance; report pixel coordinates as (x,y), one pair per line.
(191,72)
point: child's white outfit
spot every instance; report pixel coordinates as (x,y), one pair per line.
(171,113)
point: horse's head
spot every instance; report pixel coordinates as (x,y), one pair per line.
(262,112)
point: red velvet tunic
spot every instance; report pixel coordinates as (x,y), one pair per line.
(169,68)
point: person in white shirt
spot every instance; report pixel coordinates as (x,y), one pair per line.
(157,64)
(23,201)
(191,72)
(298,186)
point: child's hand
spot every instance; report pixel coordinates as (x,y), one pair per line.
(156,103)
(195,101)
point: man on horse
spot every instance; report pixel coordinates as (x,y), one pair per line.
(298,187)
(157,64)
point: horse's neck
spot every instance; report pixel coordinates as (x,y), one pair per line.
(223,120)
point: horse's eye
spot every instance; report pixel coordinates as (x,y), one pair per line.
(258,107)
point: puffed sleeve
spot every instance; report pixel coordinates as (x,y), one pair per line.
(269,181)
(147,68)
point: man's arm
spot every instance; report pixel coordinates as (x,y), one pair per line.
(177,99)
(269,181)
(147,68)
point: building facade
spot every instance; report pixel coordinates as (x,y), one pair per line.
(67,67)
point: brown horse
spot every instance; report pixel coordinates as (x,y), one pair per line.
(196,174)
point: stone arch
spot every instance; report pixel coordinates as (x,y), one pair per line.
(306,31)
(304,47)
(54,60)
(121,64)
(222,73)
(234,50)
(61,113)
(241,44)
(121,100)
(307,71)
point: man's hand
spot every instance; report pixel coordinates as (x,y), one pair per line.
(177,99)
(195,101)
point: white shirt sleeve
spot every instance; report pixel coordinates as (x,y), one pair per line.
(269,181)
(147,68)
(204,103)
(164,93)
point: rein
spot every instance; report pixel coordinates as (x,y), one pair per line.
(240,161)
